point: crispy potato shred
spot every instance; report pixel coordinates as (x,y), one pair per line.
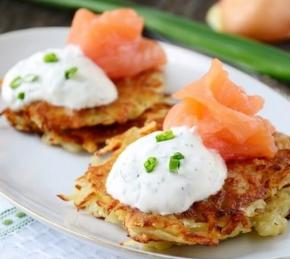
(255,196)
(141,99)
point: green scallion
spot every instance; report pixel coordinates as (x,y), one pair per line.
(150,164)
(178,156)
(20,214)
(50,58)
(21,96)
(174,165)
(7,222)
(70,73)
(166,135)
(30,78)
(174,162)
(16,82)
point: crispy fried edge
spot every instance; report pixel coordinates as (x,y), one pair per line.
(90,139)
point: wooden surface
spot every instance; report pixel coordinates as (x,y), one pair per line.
(20,14)
(17,14)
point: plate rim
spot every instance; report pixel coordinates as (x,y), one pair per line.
(97,240)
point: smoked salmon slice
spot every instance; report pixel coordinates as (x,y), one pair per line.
(114,41)
(224,115)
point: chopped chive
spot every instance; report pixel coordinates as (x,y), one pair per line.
(178,156)
(68,74)
(16,82)
(7,222)
(167,135)
(174,162)
(20,214)
(150,164)
(30,78)
(174,165)
(50,58)
(21,96)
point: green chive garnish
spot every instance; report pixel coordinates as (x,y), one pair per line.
(150,164)
(68,74)
(7,222)
(30,78)
(50,58)
(174,162)
(178,156)
(174,165)
(20,214)
(167,135)
(16,82)
(21,96)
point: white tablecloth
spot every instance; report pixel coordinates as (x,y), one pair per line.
(22,237)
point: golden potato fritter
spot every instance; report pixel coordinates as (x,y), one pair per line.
(136,95)
(141,100)
(90,139)
(255,196)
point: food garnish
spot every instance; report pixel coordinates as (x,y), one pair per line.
(50,58)
(16,82)
(175,182)
(92,89)
(30,78)
(150,164)
(114,41)
(70,73)
(224,115)
(174,162)
(166,135)
(21,96)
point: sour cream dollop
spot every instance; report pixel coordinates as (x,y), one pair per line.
(201,173)
(70,79)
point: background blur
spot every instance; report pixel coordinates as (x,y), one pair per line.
(20,14)
(17,14)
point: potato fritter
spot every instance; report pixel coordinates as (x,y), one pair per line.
(255,196)
(136,95)
(90,139)
(141,100)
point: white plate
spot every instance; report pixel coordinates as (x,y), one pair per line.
(32,174)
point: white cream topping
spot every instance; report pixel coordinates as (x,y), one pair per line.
(46,81)
(201,173)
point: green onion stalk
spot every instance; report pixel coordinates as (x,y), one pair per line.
(244,53)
